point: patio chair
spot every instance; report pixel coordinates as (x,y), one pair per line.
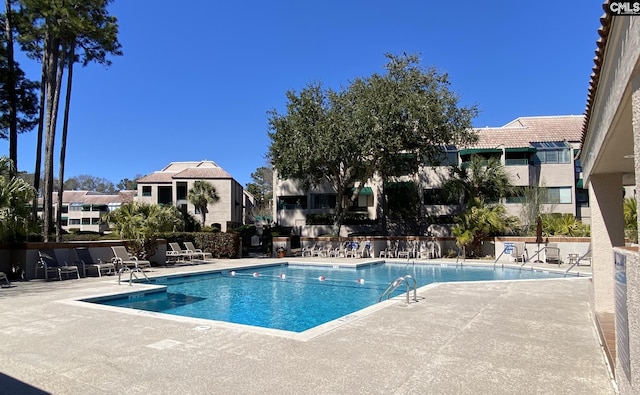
(408,251)
(361,249)
(84,257)
(586,258)
(552,254)
(179,252)
(326,250)
(124,259)
(4,277)
(51,265)
(190,248)
(308,250)
(390,252)
(340,250)
(519,252)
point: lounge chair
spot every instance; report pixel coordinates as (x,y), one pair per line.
(190,248)
(308,250)
(359,249)
(340,251)
(408,252)
(552,254)
(519,252)
(5,278)
(50,264)
(184,254)
(390,252)
(586,258)
(124,259)
(84,257)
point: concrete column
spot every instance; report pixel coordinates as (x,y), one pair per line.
(632,269)
(607,231)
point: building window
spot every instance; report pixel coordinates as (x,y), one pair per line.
(438,196)
(561,195)
(181,190)
(517,157)
(165,195)
(74,221)
(75,207)
(323,200)
(292,202)
(582,197)
(516,196)
(552,152)
(86,221)
(146,190)
(448,156)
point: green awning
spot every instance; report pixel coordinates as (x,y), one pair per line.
(521,149)
(580,183)
(365,191)
(471,151)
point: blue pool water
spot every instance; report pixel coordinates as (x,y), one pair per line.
(295,297)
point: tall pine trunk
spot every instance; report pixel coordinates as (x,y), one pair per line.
(63,142)
(11,90)
(54,77)
(38,164)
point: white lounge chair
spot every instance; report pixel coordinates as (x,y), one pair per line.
(191,249)
(308,250)
(390,252)
(183,254)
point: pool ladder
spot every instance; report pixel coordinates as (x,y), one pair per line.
(132,273)
(395,284)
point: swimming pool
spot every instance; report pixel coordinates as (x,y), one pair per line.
(296,297)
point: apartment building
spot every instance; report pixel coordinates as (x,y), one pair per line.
(535,151)
(82,210)
(171,185)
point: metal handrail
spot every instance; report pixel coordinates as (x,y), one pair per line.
(132,272)
(577,262)
(393,285)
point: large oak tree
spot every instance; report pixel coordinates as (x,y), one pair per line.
(346,137)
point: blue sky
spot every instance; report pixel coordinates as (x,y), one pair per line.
(197,77)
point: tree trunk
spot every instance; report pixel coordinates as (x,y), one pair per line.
(11,88)
(63,143)
(38,164)
(383,200)
(54,75)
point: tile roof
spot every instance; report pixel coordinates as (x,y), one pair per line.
(191,170)
(525,130)
(89,197)
(210,172)
(601,44)
(157,177)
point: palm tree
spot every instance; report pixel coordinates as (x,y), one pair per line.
(481,178)
(15,195)
(481,220)
(201,195)
(141,222)
(630,210)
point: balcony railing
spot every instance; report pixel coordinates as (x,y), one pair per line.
(517,162)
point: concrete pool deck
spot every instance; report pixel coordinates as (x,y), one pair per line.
(517,337)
